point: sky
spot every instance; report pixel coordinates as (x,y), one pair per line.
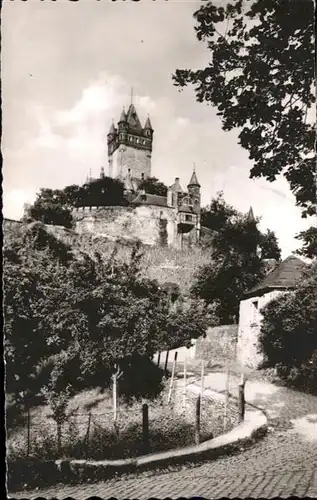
(67,71)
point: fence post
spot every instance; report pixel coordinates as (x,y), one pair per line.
(197,420)
(225,417)
(87,435)
(166,359)
(28,434)
(145,427)
(172,378)
(158,359)
(185,373)
(202,385)
(114,393)
(241,399)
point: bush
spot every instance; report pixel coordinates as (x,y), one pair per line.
(289,334)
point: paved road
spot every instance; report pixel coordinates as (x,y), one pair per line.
(284,463)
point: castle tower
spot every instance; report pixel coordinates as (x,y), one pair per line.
(195,197)
(194,191)
(130,147)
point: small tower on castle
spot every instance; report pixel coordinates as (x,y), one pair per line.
(130,147)
(194,192)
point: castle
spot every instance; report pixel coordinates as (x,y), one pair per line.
(172,220)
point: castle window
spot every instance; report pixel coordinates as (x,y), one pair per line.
(188,217)
(142,176)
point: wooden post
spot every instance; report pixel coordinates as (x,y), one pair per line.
(241,399)
(158,359)
(28,434)
(145,427)
(185,373)
(114,394)
(225,417)
(88,435)
(197,420)
(172,378)
(202,385)
(166,360)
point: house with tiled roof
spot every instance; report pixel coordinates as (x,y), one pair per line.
(282,279)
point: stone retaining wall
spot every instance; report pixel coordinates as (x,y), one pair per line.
(219,344)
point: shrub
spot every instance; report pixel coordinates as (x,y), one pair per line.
(289,334)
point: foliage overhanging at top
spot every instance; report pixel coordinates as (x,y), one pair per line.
(261,79)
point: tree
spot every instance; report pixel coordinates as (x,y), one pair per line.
(50,208)
(216,215)
(288,333)
(269,246)
(152,185)
(309,239)
(71,317)
(235,265)
(105,191)
(261,80)
(54,206)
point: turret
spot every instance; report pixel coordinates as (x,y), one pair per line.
(111,134)
(251,214)
(194,190)
(148,130)
(122,123)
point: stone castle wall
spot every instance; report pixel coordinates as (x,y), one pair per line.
(152,225)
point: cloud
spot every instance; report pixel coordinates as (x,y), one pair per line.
(83,67)
(14,201)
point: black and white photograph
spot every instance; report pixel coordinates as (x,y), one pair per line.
(159,189)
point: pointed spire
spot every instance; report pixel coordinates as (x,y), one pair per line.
(251,214)
(148,125)
(131,95)
(133,119)
(123,116)
(193,180)
(112,129)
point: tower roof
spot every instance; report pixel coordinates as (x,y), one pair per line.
(133,119)
(285,276)
(123,116)
(148,124)
(193,180)
(251,214)
(112,129)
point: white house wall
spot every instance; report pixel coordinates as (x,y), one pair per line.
(248,347)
